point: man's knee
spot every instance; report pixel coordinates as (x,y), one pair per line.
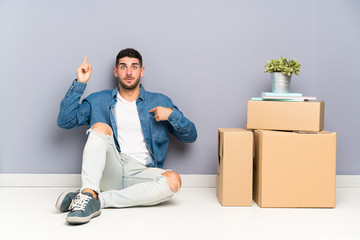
(102,128)
(173,180)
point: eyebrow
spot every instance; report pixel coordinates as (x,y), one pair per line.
(131,64)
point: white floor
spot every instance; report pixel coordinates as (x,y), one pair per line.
(29,213)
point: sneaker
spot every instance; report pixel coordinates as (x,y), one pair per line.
(65,200)
(85,207)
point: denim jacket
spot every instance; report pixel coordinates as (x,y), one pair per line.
(100,107)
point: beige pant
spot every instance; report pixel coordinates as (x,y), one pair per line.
(120,180)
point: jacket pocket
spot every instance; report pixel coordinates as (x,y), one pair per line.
(159,131)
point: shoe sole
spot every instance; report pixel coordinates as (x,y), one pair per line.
(60,200)
(82,220)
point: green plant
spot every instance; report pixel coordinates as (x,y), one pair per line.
(283,65)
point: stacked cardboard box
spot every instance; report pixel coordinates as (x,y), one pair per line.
(281,115)
(234,167)
(296,167)
(294,160)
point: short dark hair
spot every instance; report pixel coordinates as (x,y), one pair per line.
(131,53)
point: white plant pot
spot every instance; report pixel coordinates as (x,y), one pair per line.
(280,82)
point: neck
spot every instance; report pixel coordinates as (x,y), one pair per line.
(129,95)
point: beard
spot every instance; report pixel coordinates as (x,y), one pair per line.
(129,87)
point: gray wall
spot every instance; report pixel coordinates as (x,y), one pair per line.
(208,56)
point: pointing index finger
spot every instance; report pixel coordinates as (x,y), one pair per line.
(152,110)
(85,59)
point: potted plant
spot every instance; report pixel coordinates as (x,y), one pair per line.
(281,71)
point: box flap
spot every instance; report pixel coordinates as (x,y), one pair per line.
(257,167)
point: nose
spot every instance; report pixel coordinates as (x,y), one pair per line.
(129,71)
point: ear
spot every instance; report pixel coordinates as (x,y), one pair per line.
(116,72)
(142,72)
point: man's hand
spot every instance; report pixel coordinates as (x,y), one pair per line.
(84,71)
(161,113)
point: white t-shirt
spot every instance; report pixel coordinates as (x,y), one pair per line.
(130,135)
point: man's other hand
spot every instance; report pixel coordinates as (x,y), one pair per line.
(84,71)
(161,113)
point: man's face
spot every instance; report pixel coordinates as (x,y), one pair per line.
(128,72)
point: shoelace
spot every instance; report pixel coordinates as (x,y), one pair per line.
(79,203)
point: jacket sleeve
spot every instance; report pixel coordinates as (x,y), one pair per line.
(181,127)
(72,113)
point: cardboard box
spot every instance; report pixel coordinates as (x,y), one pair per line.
(234,167)
(294,169)
(280,115)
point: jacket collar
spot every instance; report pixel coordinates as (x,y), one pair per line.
(141,95)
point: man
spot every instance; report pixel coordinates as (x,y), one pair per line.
(127,142)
